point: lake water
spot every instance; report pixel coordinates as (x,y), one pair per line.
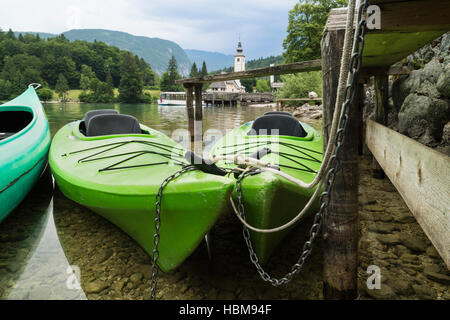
(36,258)
(53,248)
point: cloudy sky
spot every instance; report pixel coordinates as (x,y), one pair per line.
(211,25)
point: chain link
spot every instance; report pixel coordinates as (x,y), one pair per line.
(334,165)
(156,237)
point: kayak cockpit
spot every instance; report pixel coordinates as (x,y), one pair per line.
(107,122)
(13,121)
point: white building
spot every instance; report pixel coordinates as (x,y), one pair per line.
(232,85)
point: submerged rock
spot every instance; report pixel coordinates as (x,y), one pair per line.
(95,286)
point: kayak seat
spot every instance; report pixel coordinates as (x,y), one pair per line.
(286,126)
(106,124)
(279,112)
(88,116)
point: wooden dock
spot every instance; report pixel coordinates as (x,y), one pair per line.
(233,98)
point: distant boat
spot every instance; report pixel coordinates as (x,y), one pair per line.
(173,99)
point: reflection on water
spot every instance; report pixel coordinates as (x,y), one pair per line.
(32,262)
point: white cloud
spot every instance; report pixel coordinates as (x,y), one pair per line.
(200,24)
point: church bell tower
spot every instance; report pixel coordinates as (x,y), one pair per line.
(239,59)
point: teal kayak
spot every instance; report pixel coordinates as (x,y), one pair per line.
(24,145)
(269,200)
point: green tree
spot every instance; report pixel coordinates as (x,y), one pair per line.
(204,71)
(10,34)
(168,78)
(300,84)
(62,87)
(262,86)
(304,32)
(248,84)
(194,71)
(45,94)
(130,89)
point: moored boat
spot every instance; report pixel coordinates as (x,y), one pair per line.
(269,200)
(115,166)
(24,145)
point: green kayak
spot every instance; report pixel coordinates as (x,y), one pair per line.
(115,166)
(270,200)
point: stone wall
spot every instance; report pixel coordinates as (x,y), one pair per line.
(420,101)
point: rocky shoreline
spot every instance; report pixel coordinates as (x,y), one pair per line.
(113,266)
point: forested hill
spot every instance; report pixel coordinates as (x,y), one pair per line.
(214,60)
(28,58)
(157,52)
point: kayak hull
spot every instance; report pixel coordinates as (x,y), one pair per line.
(269,200)
(191,204)
(23,156)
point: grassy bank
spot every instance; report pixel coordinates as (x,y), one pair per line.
(73,94)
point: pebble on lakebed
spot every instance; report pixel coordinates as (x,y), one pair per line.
(113,266)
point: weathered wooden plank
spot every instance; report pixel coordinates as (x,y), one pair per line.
(406,26)
(414,16)
(421,176)
(405,16)
(190,113)
(304,66)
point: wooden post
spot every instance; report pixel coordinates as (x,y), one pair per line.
(198,139)
(332,44)
(381,83)
(340,220)
(190,112)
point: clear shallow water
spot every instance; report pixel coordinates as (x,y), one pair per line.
(35,256)
(52,248)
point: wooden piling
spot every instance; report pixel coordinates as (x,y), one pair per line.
(332,44)
(381,83)
(198,139)
(340,220)
(190,112)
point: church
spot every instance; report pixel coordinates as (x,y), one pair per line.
(232,85)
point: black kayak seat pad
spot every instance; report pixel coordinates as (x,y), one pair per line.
(88,116)
(277,124)
(279,112)
(107,124)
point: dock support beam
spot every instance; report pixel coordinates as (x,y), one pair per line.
(340,220)
(381,83)
(190,112)
(198,139)
(332,44)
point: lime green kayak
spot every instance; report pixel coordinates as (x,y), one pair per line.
(116,166)
(270,200)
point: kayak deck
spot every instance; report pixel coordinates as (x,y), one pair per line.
(118,176)
(269,200)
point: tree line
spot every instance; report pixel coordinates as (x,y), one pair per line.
(58,64)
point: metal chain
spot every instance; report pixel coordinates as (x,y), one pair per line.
(156,237)
(349,96)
